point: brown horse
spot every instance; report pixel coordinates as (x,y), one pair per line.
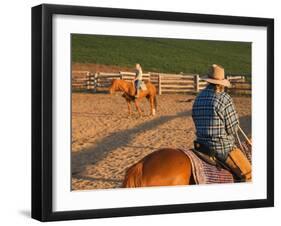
(129,94)
(164,167)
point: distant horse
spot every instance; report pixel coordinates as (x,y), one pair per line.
(164,167)
(129,94)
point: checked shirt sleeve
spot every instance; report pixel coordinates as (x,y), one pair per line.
(229,116)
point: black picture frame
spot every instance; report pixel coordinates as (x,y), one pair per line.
(42,107)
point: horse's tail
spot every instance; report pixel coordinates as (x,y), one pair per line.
(155,102)
(153,92)
(133,177)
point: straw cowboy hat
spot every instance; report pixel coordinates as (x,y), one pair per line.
(217,76)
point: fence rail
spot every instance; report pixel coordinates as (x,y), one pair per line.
(165,83)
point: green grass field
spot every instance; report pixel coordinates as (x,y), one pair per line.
(162,55)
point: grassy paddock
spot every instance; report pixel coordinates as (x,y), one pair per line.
(162,54)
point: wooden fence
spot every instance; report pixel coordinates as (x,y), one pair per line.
(165,83)
(239,85)
(80,80)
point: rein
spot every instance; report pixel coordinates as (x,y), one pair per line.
(246,138)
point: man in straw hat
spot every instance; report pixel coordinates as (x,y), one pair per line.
(216,123)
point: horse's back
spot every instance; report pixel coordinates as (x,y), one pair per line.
(150,87)
(164,167)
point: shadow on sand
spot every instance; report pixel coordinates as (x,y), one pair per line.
(116,140)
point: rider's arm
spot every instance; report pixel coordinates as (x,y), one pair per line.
(231,118)
(226,111)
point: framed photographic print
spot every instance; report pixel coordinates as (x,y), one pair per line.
(146,112)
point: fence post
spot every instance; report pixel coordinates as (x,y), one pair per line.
(159,84)
(196,83)
(91,81)
(88,80)
(121,75)
(95,82)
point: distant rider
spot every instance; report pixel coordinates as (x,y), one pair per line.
(138,79)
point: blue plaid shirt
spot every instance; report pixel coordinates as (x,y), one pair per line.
(216,121)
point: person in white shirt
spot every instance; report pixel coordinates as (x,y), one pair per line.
(138,79)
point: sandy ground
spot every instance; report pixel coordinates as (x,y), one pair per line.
(105,141)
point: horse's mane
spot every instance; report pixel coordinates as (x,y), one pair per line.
(127,86)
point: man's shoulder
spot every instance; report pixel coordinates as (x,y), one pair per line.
(209,93)
(204,94)
(223,100)
(225,97)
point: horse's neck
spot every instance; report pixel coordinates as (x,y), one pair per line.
(127,87)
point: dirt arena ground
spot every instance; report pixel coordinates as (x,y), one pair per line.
(105,141)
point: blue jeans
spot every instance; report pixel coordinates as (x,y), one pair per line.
(137,84)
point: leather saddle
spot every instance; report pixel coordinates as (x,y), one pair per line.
(142,86)
(208,156)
